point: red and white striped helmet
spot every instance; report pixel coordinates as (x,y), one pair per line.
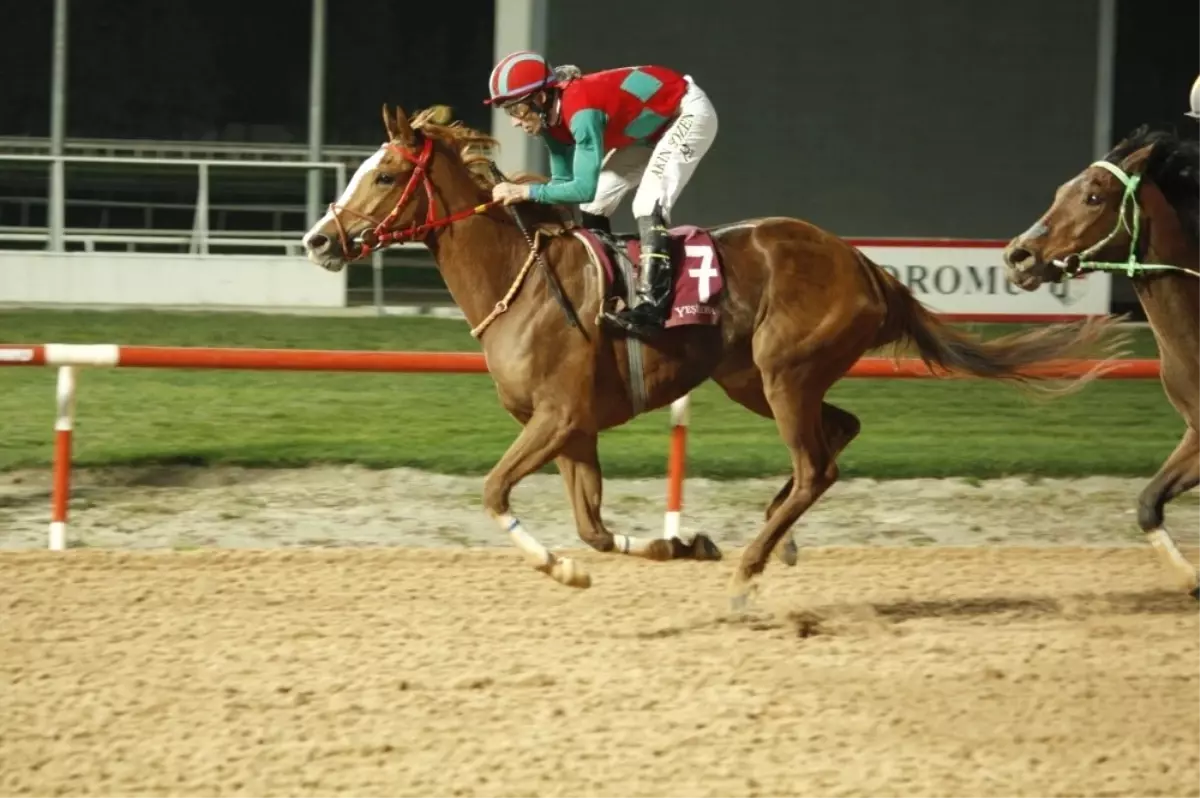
(517,75)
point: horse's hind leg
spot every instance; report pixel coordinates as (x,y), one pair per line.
(798,411)
(1180,473)
(579,464)
(841,427)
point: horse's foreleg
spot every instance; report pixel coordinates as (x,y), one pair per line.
(1180,472)
(579,465)
(539,442)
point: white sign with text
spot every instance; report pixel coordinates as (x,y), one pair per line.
(969,278)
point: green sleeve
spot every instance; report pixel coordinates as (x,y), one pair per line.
(575,182)
(560,160)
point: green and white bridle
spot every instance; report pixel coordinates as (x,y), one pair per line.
(1129,219)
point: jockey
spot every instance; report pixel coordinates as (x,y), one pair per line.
(605,132)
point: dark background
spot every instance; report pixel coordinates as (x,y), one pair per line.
(885,118)
(870,117)
(238,70)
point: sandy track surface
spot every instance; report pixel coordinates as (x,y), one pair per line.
(339,631)
(370,671)
(353,506)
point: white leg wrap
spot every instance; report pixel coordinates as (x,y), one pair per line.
(562,569)
(535,552)
(630,545)
(1161,540)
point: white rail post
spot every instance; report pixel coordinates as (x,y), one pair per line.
(340,173)
(64,425)
(58,126)
(201,225)
(316,111)
(676,466)
(377,280)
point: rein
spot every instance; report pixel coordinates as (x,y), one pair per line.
(383,235)
(1075,265)
(572,320)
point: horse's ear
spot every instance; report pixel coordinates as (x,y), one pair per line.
(397,125)
(1135,162)
(387,121)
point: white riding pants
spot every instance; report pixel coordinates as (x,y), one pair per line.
(661,172)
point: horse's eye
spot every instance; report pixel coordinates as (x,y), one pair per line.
(1093,199)
(384,179)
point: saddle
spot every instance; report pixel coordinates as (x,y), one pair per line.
(621,251)
(696,284)
(696,271)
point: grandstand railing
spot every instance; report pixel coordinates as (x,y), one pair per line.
(201,238)
(131,240)
(25,205)
(201,150)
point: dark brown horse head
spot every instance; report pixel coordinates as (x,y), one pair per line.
(1103,213)
(398,192)
(1086,216)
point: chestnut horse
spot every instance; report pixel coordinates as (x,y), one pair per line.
(800,306)
(1136,211)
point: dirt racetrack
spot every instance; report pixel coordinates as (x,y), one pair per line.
(341,631)
(380,671)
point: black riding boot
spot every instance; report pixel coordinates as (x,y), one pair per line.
(647,317)
(595,221)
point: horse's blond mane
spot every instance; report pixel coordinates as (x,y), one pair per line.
(474,146)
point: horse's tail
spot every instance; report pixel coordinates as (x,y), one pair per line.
(942,346)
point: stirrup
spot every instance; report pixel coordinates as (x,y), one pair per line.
(642,320)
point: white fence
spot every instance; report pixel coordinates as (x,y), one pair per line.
(157,280)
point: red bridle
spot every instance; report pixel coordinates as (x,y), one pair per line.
(383,234)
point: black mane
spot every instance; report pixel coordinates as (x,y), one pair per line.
(1173,165)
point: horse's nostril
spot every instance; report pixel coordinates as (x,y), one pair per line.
(318,242)
(1018,257)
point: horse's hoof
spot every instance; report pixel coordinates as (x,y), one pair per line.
(704,549)
(570,573)
(663,549)
(788,553)
(741,593)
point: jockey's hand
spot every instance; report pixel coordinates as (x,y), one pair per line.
(508,193)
